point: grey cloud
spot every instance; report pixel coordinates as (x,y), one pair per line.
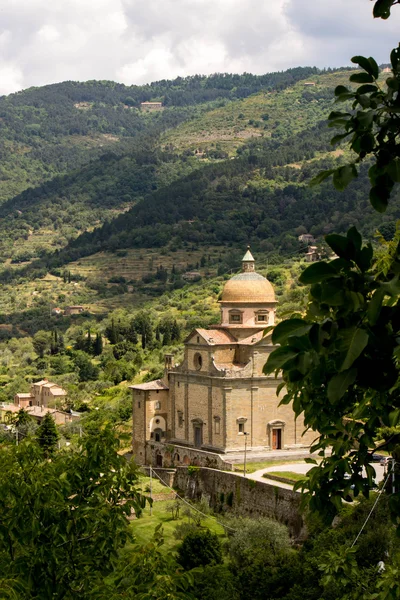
(138,41)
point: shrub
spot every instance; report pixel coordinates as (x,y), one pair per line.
(200,548)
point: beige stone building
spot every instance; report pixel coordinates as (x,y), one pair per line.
(218,400)
(36,402)
(42,393)
(151,105)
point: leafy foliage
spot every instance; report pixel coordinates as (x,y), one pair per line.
(339,365)
(64,520)
(199,548)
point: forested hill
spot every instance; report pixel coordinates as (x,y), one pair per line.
(229,169)
(262,198)
(50,130)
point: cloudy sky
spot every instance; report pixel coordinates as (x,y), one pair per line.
(138,41)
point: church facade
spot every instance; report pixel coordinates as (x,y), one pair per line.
(218,400)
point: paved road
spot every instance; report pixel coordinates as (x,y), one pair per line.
(301,468)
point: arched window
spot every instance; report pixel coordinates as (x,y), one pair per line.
(198,361)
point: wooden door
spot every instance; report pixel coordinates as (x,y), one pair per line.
(276,439)
(198,436)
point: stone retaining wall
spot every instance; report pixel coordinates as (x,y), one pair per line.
(231,492)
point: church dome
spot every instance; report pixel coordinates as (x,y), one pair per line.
(248,286)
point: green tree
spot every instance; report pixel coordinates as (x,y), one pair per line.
(86,369)
(98,345)
(63,521)
(142,324)
(200,548)
(340,360)
(47,435)
(112,332)
(42,342)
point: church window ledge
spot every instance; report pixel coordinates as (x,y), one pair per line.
(241,421)
(235,317)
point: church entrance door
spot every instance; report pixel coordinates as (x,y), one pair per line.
(277,439)
(198,436)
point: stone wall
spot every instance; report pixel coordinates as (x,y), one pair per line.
(164,455)
(231,492)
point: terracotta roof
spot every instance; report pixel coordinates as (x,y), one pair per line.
(216,336)
(40,410)
(49,384)
(253,339)
(59,392)
(157,384)
(24,395)
(10,407)
(41,382)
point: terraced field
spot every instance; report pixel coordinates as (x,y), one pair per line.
(134,264)
(265,114)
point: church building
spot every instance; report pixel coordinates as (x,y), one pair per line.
(207,409)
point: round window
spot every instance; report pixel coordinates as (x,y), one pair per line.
(157,421)
(198,361)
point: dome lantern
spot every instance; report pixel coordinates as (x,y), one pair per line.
(248,262)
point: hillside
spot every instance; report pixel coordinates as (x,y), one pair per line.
(48,216)
(47,131)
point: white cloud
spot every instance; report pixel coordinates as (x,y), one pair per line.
(136,41)
(11,79)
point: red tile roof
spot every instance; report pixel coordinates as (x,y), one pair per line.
(157,384)
(216,336)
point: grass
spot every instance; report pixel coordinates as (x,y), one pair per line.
(257,466)
(288,476)
(144,527)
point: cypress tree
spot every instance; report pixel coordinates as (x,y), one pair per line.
(98,345)
(47,435)
(175,331)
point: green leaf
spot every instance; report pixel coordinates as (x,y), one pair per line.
(382,9)
(367,142)
(395,57)
(343,175)
(393,169)
(317,272)
(364,257)
(339,384)
(375,305)
(341,245)
(361,78)
(321,177)
(368,64)
(338,138)
(379,198)
(290,327)
(340,89)
(355,237)
(278,358)
(367,88)
(353,342)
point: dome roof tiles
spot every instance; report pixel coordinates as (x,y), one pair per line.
(248,287)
